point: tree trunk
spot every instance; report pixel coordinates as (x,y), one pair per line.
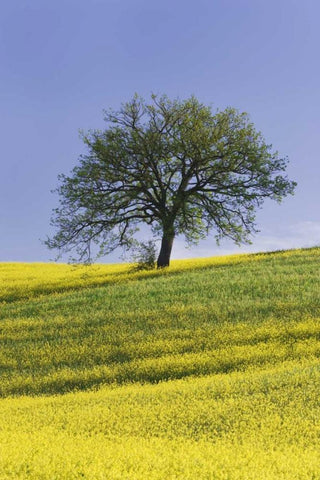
(165,251)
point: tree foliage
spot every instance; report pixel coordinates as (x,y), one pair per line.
(174,165)
(144,255)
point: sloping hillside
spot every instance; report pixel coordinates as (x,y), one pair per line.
(232,344)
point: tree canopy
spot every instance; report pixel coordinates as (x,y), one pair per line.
(174,165)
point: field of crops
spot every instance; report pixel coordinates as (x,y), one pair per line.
(207,370)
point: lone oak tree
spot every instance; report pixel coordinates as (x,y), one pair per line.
(173,165)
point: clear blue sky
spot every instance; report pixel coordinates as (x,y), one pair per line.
(63,62)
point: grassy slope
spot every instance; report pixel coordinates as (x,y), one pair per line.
(244,330)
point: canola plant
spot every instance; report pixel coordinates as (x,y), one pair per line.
(208,370)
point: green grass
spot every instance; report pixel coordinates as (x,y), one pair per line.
(232,345)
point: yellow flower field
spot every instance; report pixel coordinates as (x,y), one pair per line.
(22,280)
(208,370)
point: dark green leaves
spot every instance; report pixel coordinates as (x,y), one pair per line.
(172,164)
